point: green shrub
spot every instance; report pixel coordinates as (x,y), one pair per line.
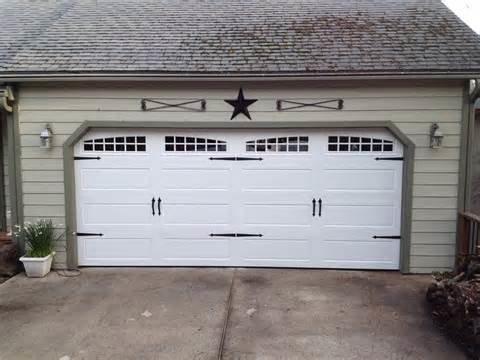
(39,238)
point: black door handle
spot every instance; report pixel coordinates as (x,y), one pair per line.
(158,205)
(313,207)
(319,207)
(153,206)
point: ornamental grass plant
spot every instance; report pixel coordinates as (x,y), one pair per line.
(39,238)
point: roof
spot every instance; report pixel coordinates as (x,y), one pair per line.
(221,37)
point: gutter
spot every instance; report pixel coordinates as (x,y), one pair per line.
(106,76)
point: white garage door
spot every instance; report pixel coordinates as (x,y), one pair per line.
(276,198)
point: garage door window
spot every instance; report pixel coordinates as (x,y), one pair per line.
(116,144)
(193,144)
(279,144)
(358,144)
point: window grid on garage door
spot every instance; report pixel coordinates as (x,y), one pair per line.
(358,144)
(193,144)
(116,144)
(279,144)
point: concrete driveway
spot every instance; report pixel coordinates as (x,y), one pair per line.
(155,313)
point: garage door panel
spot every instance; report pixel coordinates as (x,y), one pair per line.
(134,197)
(196,214)
(280,231)
(359,162)
(117,161)
(356,233)
(370,197)
(367,253)
(361,179)
(199,179)
(205,197)
(116,214)
(119,249)
(277,197)
(276,179)
(278,160)
(194,161)
(196,249)
(276,214)
(275,250)
(128,231)
(193,231)
(114,179)
(359,215)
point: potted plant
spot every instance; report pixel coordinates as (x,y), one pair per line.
(39,239)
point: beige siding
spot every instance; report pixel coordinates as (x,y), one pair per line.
(412,107)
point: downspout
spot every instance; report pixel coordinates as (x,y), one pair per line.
(8,104)
(6,99)
(475,94)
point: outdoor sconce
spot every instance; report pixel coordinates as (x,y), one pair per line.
(436,137)
(46,138)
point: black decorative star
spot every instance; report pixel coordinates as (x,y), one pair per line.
(241,105)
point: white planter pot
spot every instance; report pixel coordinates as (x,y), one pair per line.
(37,267)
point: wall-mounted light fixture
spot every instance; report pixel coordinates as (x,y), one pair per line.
(436,137)
(46,137)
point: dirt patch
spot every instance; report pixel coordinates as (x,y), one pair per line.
(254,280)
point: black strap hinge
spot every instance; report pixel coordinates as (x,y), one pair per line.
(87,234)
(400,158)
(236,235)
(387,237)
(86,158)
(223,235)
(237,158)
(248,235)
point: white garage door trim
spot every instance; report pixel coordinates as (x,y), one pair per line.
(332,156)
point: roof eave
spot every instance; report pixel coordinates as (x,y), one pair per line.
(162,76)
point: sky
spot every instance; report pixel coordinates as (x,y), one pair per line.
(467,10)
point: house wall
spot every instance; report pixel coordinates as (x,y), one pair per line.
(412,106)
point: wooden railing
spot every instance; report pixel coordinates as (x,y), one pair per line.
(468,234)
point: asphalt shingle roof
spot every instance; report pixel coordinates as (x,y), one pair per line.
(234,37)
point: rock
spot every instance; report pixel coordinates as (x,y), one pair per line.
(147,314)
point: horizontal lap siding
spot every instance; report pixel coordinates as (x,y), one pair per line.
(411,108)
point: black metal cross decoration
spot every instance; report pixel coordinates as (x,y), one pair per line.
(240,105)
(323,104)
(185,105)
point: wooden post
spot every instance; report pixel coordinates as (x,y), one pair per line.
(463,235)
